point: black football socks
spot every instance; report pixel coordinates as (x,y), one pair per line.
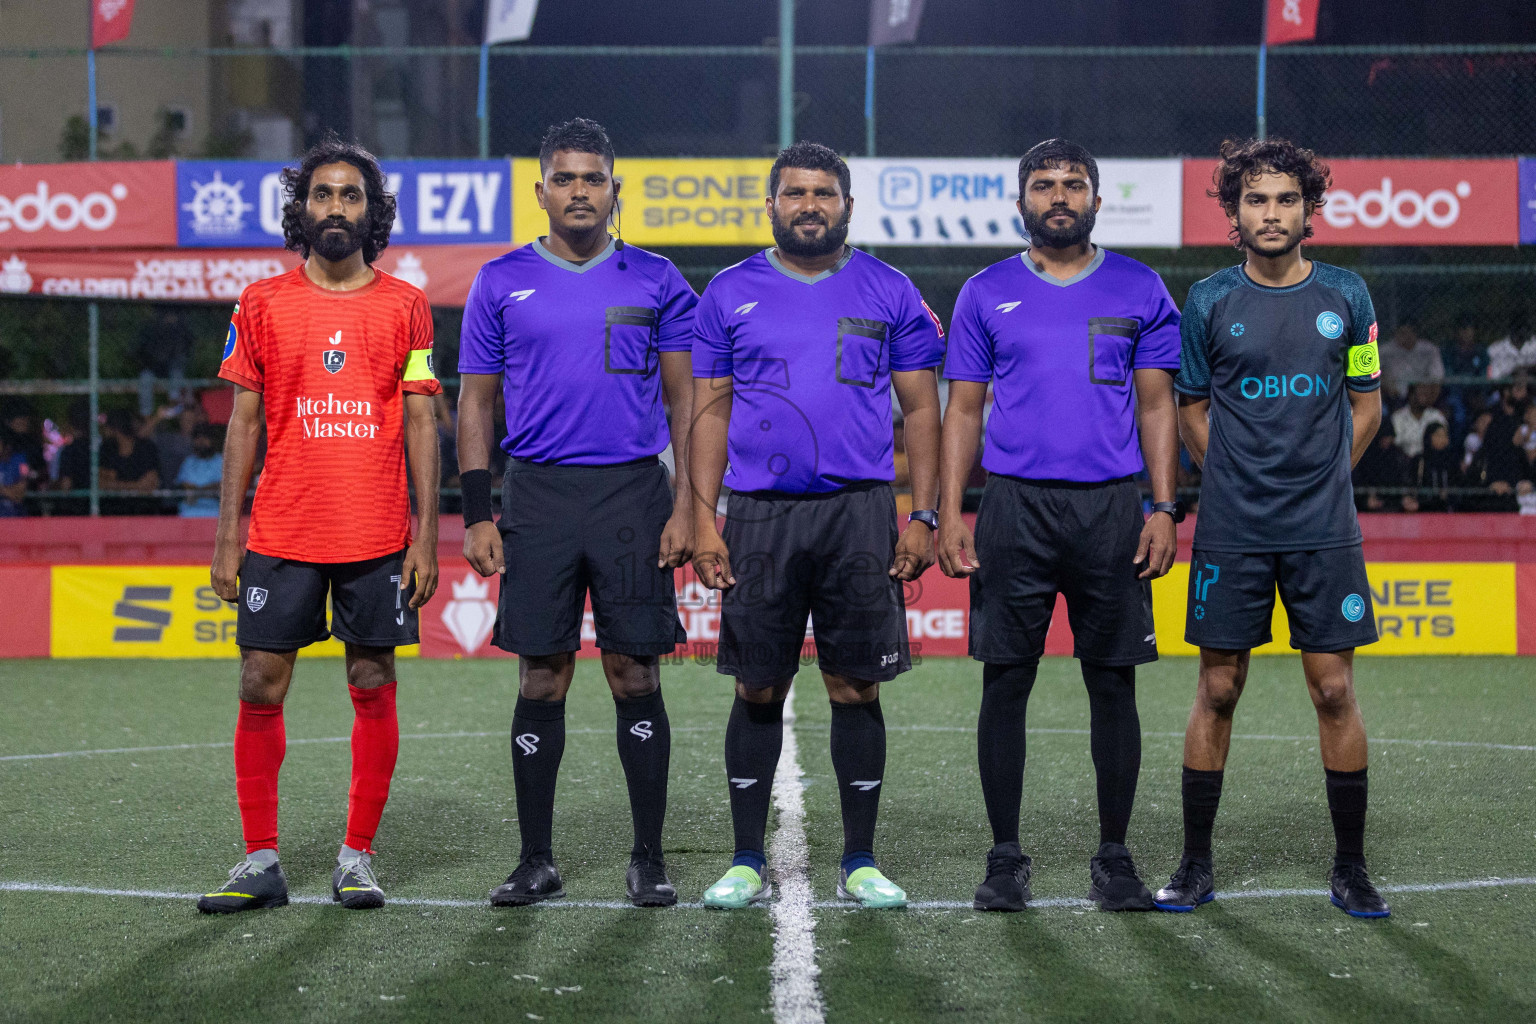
(645,750)
(1000,744)
(538,741)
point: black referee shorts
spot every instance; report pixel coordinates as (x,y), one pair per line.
(567,530)
(282,603)
(1326,593)
(819,556)
(1035,539)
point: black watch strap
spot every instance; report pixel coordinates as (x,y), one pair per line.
(1175,509)
(927,516)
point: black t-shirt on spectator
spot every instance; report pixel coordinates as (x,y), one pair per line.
(141,459)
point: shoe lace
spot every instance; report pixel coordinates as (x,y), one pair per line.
(524,870)
(363,872)
(1121,867)
(651,873)
(1184,875)
(245,867)
(1003,863)
(1357,879)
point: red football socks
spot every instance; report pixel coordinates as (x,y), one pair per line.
(260,743)
(375,744)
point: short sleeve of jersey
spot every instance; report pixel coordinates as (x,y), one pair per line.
(419,376)
(482,344)
(1362,360)
(1194,376)
(712,355)
(243,363)
(674,330)
(1160,346)
(916,339)
(970,346)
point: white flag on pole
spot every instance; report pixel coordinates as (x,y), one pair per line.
(509,21)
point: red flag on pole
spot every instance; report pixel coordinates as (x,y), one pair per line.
(1290,21)
(111,21)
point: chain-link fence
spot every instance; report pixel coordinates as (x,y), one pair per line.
(725,101)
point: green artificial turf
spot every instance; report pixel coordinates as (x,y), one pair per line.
(165,821)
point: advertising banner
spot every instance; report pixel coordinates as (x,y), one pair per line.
(971,202)
(1526,208)
(239,203)
(668,201)
(61,206)
(148,611)
(170,611)
(444,272)
(1386,202)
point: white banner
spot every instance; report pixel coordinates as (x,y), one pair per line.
(945,201)
(509,21)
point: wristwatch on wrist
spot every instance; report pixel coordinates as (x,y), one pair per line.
(927,516)
(1175,509)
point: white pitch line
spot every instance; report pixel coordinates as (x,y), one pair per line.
(795,988)
(1055,903)
(1237,736)
(227,744)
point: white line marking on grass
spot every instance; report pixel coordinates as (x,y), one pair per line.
(1237,736)
(796,993)
(1055,903)
(227,744)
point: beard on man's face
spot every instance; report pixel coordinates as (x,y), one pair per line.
(1076,232)
(335,245)
(789,240)
(1270,245)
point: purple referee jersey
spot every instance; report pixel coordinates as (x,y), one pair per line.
(810,360)
(1060,356)
(578,349)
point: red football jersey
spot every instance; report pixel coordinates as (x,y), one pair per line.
(331,367)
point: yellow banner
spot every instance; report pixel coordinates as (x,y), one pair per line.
(1421,608)
(149,611)
(668,201)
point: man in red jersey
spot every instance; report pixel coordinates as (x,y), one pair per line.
(336,357)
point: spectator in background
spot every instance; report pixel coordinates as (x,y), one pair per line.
(173,446)
(1382,466)
(74,463)
(1410,422)
(15,475)
(1464,357)
(1434,472)
(1409,359)
(200,472)
(165,344)
(1514,351)
(24,430)
(1498,463)
(127,462)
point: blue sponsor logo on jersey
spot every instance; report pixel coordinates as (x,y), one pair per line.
(1330,324)
(1299,385)
(1353,608)
(1237,330)
(229,342)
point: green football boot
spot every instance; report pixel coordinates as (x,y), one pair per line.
(871,889)
(740,887)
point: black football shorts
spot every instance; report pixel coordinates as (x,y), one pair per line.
(282,603)
(1326,594)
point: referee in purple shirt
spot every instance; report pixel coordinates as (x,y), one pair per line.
(1080,346)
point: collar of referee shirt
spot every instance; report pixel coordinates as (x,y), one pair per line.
(794,275)
(1093,264)
(575,268)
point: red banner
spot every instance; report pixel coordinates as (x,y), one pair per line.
(63,206)
(444,272)
(1290,21)
(1387,202)
(111,21)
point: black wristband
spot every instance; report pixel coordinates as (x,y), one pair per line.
(477,496)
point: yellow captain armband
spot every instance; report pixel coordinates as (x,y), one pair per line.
(419,365)
(1364,360)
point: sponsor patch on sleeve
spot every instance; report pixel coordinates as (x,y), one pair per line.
(1364,360)
(419,365)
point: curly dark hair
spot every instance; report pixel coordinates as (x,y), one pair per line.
(1243,160)
(810,156)
(577,135)
(1056,154)
(381,203)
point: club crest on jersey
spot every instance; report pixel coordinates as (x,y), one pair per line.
(255,598)
(1330,325)
(333,360)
